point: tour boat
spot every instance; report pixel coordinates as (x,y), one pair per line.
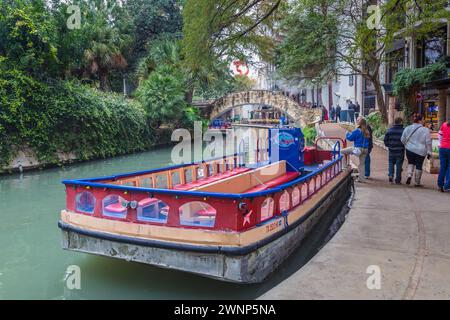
(220,218)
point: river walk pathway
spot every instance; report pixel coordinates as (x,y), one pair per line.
(402,232)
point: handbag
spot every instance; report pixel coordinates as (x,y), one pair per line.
(357,151)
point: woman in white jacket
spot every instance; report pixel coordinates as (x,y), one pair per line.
(417,141)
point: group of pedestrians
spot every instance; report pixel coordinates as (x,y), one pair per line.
(414,141)
(354,111)
(335,113)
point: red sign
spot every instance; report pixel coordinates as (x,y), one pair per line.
(239,65)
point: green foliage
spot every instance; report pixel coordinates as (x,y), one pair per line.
(219,81)
(27,37)
(310,134)
(237,29)
(163,97)
(312,58)
(152,20)
(408,78)
(375,121)
(335,37)
(67,117)
(407,81)
(40,111)
(164,51)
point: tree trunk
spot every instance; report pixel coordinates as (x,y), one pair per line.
(104,81)
(380,101)
(125,89)
(189,96)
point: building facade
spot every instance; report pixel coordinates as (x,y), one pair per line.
(431,100)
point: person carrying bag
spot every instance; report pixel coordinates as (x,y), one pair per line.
(417,141)
(360,138)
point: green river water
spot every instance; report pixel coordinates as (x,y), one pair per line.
(33,265)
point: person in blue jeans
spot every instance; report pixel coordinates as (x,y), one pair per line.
(368,159)
(360,136)
(444,157)
(392,140)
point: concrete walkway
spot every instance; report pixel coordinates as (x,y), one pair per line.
(405,231)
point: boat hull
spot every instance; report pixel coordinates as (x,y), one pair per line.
(244,265)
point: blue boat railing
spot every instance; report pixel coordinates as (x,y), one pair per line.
(94,184)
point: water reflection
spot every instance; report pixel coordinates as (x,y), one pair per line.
(33,265)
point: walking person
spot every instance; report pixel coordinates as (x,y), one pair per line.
(417,141)
(361,137)
(357,110)
(444,156)
(351,111)
(338,113)
(332,113)
(324,113)
(392,140)
(368,158)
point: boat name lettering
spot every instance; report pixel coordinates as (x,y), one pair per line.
(273,226)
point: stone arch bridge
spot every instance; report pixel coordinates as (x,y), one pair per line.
(301,116)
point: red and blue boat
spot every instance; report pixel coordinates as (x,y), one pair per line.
(220,218)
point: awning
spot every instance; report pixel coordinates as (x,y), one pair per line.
(397,45)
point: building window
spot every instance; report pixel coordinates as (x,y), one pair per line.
(434,49)
(431,49)
(351,80)
(395,64)
(198,214)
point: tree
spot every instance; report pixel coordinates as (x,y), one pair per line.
(227,28)
(360,42)
(152,20)
(104,54)
(27,37)
(307,52)
(109,40)
(164,51)
(163,96)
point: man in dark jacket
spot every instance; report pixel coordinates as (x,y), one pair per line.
(332,113)
(392,140)
(351,112)
(338,113)
(368,159)
(357,110)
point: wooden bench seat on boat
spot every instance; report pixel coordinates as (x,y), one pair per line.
(208,180)
(274,182)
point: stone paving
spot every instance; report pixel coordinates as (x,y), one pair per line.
(402,230)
